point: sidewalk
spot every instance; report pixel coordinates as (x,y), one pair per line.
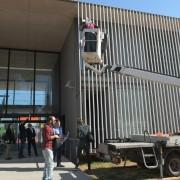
(26,169)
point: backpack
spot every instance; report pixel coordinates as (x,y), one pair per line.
(89,137)
(83,131)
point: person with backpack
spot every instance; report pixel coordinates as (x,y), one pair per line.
(85,138)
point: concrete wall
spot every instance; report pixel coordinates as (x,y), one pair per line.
(56,88)
(69,95)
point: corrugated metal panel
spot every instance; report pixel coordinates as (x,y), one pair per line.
(115,105)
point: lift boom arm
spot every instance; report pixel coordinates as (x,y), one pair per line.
(142,74)
(147,75)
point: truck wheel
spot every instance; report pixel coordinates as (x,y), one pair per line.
(172,165)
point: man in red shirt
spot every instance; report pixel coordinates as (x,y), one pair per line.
(48,137)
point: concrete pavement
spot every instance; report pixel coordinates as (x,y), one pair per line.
(26,169)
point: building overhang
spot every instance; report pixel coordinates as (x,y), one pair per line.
(35,24)
(44,24)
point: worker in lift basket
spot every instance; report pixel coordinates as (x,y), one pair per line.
(90,37)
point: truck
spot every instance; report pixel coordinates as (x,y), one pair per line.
(147,150)
(150,151)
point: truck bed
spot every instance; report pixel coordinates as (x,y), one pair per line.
(130,145)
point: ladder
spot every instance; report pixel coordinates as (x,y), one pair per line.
(146,156)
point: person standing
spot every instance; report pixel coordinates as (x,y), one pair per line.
(84,143)
(31,134)
(58,143)
(48,137)
(22,137)
(9,139)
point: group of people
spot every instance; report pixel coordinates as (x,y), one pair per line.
(28,134)
(52,145)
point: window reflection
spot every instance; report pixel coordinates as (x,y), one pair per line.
(3,79)
(30,85)
(21,78)
(45,68)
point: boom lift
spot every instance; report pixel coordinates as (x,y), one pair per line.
(147,150)
(92,55)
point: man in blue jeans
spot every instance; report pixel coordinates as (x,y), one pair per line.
(48,137)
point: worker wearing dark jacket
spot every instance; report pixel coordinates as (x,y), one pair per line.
(31,134)
(84,142)
(22,137)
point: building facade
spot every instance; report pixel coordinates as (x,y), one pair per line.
(42,71)
(117,106)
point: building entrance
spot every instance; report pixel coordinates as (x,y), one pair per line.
(36,121)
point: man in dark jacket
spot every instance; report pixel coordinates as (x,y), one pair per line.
(22,137)
(31,134)
(84,143)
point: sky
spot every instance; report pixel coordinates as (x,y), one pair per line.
(161,7)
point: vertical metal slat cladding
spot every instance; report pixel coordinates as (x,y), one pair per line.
(115,105)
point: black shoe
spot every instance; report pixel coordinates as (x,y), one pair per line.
(60,165)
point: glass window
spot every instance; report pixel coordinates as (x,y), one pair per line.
(21,79)
(45,68)
(3,79)
(21,97)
